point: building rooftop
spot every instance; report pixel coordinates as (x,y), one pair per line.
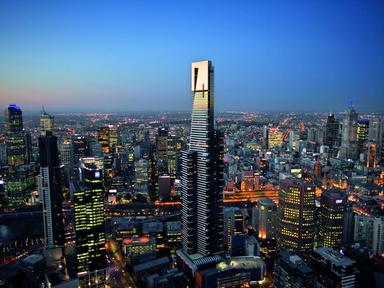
(150,264)
(334,256)
(294,261)
(33,259)
(247,262)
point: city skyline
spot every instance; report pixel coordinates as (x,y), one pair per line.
(132,57)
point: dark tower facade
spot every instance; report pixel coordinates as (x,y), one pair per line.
(15,137)
(332,218)
(202,170)
(51,189)
(90,222)
(332,135)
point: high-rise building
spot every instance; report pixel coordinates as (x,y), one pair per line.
(51,190)
(3,153)
(108,138)
(80,148)
(275,138)
(376,137)
(20,176)
(292,271)
(46,121)
(162,143)
(90,224)
(153,175)
(172,155)
(265,137)
(349,145)
(266,218)
(371,230)
(15,137)
(296,213)
(202,170)
(362,134)
(66,152)
(294,139)
(103,138)
(332,135)
(141,176)
(332,209)
(332,268)
(13,118)
(233,224)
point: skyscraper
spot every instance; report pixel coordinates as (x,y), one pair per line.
(90,223)
(108,138)
(296,211)
(332,135)
(266,218)
(46,121)
(103,138)
(275,138)
(51,190)
(80,148)
(21,177)
(202,170)
(362,134)
(332,218)
(349,148)
(15,137)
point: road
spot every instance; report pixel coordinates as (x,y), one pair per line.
(118,276)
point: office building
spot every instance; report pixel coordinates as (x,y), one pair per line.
(349,145)
(164,187)
(275,138)
(51,190)
(20,177)
(103,138)
(66,152)
(90,224)
(108,138)
(376,137)
(46,121)
(172,155)
(332,268)
(15,137)
(141,176)
(362,134)
(202,170)
(162,143)
(296,211)
(292,271)
(80,148)
(233,225)
(332,134)
(332,209)
(244,245)
(294,140)
(266,210)
(370,229)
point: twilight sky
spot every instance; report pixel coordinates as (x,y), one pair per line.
(136,55)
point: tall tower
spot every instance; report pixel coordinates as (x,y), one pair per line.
(90,223)
(51,189)
(202,170)
(46,121)
(15,137)
(362,134)
(348,149)
(332,210)
(296,214)
(332,136)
